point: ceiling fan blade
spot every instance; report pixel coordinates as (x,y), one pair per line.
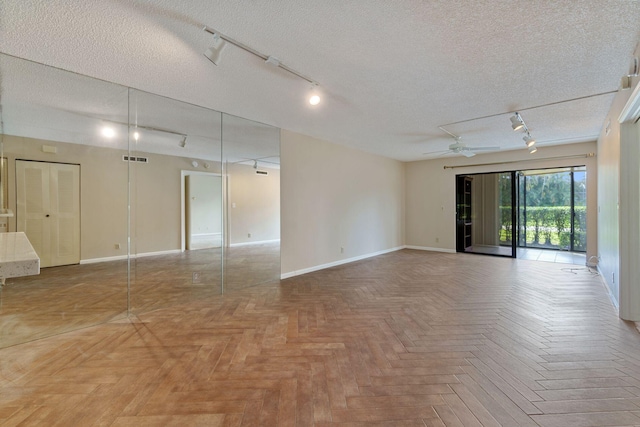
(435,152)
(468,153)
(483,148)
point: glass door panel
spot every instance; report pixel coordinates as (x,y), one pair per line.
(484,214)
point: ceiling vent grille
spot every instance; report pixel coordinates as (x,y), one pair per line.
(126,158)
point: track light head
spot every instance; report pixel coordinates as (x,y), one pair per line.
(214,52)
(255,164)
(314,95)
(516,122)
(183,142)
(532,149)
(528,140)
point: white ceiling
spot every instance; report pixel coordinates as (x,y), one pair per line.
(391,71)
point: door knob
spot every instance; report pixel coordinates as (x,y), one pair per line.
(47,215)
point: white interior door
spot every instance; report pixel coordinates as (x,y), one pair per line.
(48,210)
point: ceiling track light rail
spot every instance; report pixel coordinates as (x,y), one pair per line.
(220,40)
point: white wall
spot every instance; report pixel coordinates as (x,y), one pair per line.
(610,175)
(254,204)
(335,197)
(430,209)
(204,204)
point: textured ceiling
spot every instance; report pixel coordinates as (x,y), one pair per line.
(391,71)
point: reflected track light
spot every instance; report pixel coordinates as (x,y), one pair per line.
(108,132)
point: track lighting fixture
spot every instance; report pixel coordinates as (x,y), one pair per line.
(255,164)
(214,52)
(220,41)
(314,96)
(528,140)
(183,142)
(516,122)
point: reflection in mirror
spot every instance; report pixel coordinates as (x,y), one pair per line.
(251,155)
(126,200)
(63,137)
(176,202)
(485,214)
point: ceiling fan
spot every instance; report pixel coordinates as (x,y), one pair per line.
(459,147)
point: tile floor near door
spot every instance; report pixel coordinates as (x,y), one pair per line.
(549,255)
(408,338)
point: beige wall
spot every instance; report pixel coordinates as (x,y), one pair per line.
(430,215)
(257,204)
(155,195)
(335,197)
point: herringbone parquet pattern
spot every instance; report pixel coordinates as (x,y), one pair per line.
(405,339)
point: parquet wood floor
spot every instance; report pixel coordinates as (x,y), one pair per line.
(67,298)
(408,338)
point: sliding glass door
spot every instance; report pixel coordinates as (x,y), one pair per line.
(485,216)
(552,207)
(496,213)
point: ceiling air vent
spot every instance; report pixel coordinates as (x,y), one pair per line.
(126,158)
(262,173)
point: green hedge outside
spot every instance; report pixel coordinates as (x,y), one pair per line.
(548,226)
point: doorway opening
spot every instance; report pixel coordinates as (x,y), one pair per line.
(531,214)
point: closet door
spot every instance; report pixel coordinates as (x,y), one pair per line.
(48,210)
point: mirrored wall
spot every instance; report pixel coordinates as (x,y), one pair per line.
(132,201)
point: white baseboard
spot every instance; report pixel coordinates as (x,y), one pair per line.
(612,297)
(133,256)
(104,259)
(425,248)
(337,263)
(207,234)
(261,242)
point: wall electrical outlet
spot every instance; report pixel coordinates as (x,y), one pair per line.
(341,250)
(437,239)
(117,246)
(248,234)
